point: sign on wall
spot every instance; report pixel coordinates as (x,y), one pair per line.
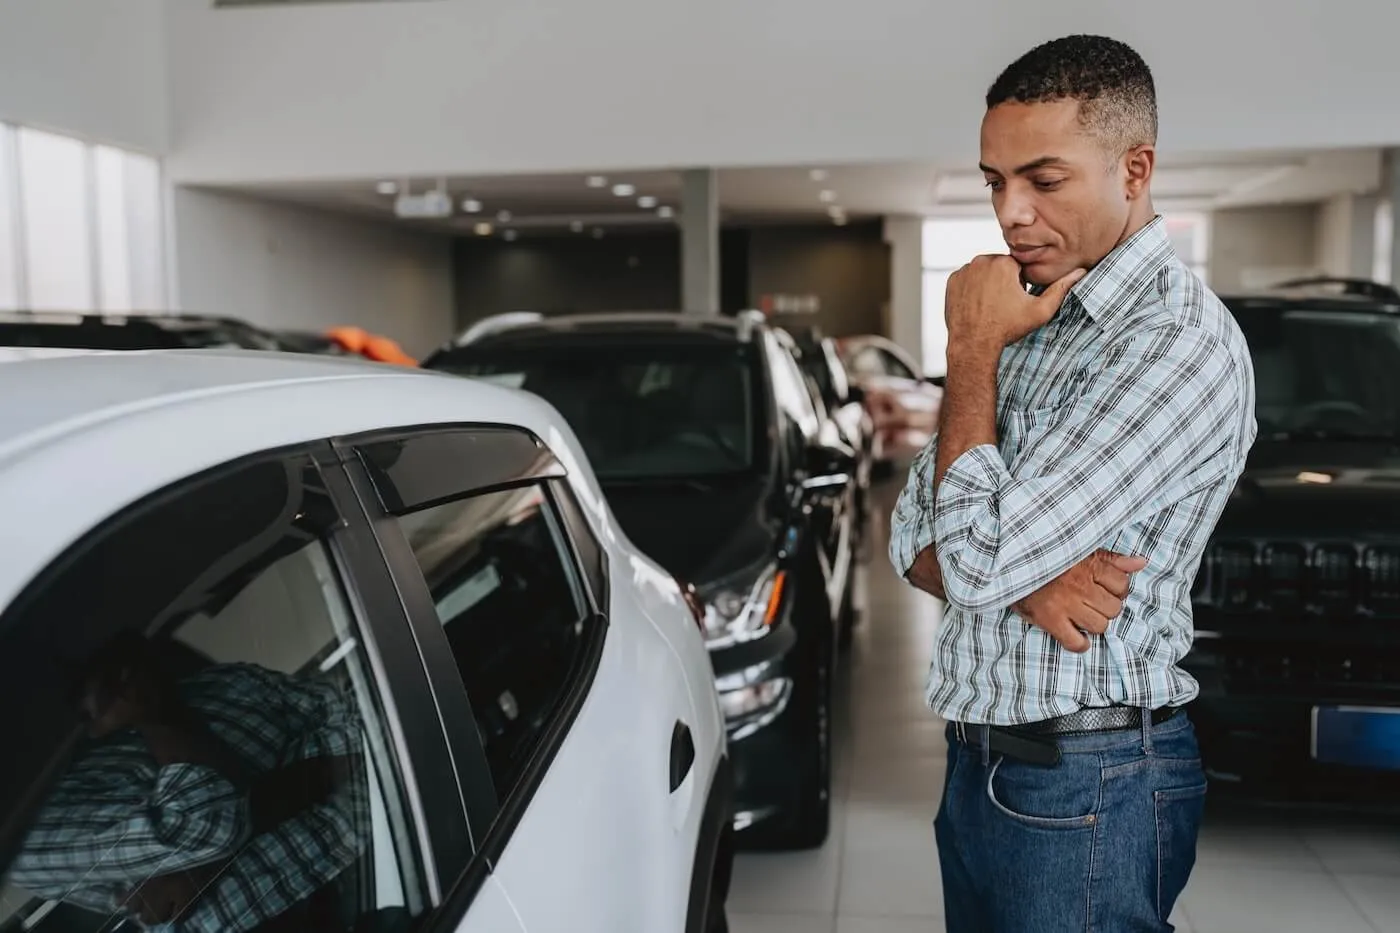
(784,303)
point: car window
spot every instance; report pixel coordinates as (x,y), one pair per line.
(894,366)
(203,743)
(507,592)
(641,411)
(868,361)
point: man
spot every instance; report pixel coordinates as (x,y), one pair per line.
(229,800)
(1097,414)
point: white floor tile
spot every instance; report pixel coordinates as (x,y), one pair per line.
(780,923)
(1245,899)
(889,925)
(1378,897)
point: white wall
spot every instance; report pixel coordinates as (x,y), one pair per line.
(1257,246)
(905,235)
(307,91)
(88,68)
(1347,236)
(291,267)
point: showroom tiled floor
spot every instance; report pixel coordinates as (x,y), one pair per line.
(1259,870)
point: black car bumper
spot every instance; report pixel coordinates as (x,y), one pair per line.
(1298,717)
(757,682)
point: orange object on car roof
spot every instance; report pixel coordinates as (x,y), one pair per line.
(371,346)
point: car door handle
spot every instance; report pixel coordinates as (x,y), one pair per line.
(682,754)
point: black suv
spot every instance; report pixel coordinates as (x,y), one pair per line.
(704,438)
(1297,601)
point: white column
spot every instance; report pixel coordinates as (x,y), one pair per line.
(699,241)
(905,236)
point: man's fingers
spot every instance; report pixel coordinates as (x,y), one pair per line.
(1125,562)
(1112,581)
(1055,292)
(1103,605)
(1068,634)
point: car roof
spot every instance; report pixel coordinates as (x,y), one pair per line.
(521,327)
(1320,293)
(83,434)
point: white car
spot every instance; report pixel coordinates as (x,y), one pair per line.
(316,644)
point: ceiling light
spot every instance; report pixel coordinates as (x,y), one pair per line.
(504,217)
(471,206)
(827,196)
(836,210)
(839,221)
(483,229)
(646,201)
(576,226)
(387,187)
(597,181)
(818,174)
(597,233)
(624,191)
(665,210)
(510,235)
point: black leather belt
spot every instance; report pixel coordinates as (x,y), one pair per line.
(1034,742)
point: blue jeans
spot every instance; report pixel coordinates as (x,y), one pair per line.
(1103,841)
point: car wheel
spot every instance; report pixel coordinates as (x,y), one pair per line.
(806,821)
(849,617)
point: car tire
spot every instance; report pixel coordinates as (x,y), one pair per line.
(848,617)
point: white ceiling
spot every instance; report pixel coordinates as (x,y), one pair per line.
(554,204)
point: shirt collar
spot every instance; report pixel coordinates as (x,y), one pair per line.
(1115,284)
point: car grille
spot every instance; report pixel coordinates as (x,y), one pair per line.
(1290,577)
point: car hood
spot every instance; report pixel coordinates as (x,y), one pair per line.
(698,533)
(1317,488)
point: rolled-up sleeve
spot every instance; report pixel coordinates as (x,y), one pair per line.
(1151,424)
(911,522)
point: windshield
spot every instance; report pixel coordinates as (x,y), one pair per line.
(640,411)
(1324,374)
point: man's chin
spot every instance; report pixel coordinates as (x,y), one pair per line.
(1041,274)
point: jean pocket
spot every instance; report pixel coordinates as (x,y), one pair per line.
(1061,798)
(1178,811)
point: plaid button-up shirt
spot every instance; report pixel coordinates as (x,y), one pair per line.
(117,818)
(1124,423)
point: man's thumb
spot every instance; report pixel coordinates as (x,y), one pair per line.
(1056,291)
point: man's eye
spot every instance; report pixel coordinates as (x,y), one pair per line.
(1047,184)
(994,184)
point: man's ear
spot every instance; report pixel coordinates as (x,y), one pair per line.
(1138,164)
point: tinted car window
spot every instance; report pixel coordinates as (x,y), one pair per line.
(202,739)
(1324,372)
(639,410)
(508,597)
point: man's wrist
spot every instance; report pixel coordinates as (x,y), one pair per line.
(972,357)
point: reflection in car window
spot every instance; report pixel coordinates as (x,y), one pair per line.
(1324,373)
(510,604)
(895,367)
(640,411)
(868,361)
(203,749)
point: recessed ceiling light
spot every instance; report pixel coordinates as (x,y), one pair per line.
(387,187)
(836,210)
(597,233)
(665,210)
(504,217)
(839,221)
(471,206)
(827,196)
(818,174)
(624,190)
(483,229)
(646,201)
(510,235)
(597,181)
(576,226)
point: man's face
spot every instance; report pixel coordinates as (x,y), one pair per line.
(1062,199)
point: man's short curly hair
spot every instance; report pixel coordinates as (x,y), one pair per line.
(1113,85)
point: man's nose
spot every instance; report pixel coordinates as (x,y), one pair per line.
(1015,210)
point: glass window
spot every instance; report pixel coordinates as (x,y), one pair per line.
(509,601)
(145,231)
(58,233)
(203,742)
(640,411)
(10,298)
(113,246)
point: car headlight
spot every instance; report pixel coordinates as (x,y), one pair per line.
(743,607)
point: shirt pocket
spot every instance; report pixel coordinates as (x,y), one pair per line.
(1020,425)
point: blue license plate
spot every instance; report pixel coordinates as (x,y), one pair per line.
(1357,736)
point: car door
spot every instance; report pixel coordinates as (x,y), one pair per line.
(569,713)
(310,787)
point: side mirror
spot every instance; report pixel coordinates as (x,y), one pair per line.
(939,381)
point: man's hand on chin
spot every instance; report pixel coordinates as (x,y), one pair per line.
(986,305)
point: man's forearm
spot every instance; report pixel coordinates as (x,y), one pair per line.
(968,417)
